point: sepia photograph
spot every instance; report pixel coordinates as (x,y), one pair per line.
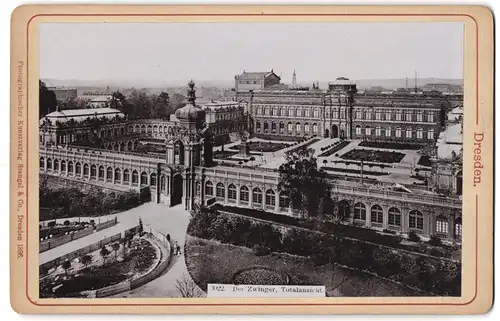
(176,159)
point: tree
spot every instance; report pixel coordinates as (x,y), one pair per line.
(86,260)
(117,99)
(66,266)
(47,99)
(104,254)
(161,107)
(187,288)
(303,182)
(115,247)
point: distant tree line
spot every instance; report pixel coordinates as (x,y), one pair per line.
(137,105)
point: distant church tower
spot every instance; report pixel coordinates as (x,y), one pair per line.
(294,79)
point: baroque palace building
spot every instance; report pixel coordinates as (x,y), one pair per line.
(186,173)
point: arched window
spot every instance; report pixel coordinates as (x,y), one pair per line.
(244,194)
(368,131)
(118,176)
(394,216)
(42,163)
(430,117)
(368,115)
(257,196)
(315,128)
(56,165)
(155,129)
(78,169)
(135,178)
(398,115)
(306,127)
(398,132)
(150,129)
(270,197)
(419,116)
(49,163)
(316,112)
(93,171)
(282,127)
(377,214)
(284,201)
(378,131)
(416,220)
(442,225)
(109,174)
(419,133)
(231,192)
(290,127)
(86,170)
(273,127)
(358,130)
(297,127)
(209,188)
(101,172)
(458,227)
(388,115)
(359,114)
(408,116)
(266,127)
(126,176)
(152,181)
(63,166)
(220,190)
(388,131)
(408,132)
(70,167)
(430,134)
(378,115)
(144,178)
(359,211)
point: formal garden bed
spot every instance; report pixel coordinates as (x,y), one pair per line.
(424,161)
(371,155)
(431,274)
(210,261)
(390,145)
(265,147)
(333,148)
(309,142)
(103,268)
(55,230)
(354,171)
(280,138)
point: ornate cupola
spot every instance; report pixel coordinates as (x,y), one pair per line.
(191,115)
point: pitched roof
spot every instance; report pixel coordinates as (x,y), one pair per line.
(80,114)
(256,75)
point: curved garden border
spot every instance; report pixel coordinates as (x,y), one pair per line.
(283,274)
(130,284)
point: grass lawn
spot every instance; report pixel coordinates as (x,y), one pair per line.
(373,156)
(266,147)
(212,262)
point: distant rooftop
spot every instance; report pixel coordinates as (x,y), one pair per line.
(82,114)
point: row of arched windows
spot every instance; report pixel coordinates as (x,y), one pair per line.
(391,115)
(102,173)
(397,132)
(415,218)
(258,197)
(307,112)
(267,127)
(149,129)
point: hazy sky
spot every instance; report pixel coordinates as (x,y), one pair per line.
(159,53)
